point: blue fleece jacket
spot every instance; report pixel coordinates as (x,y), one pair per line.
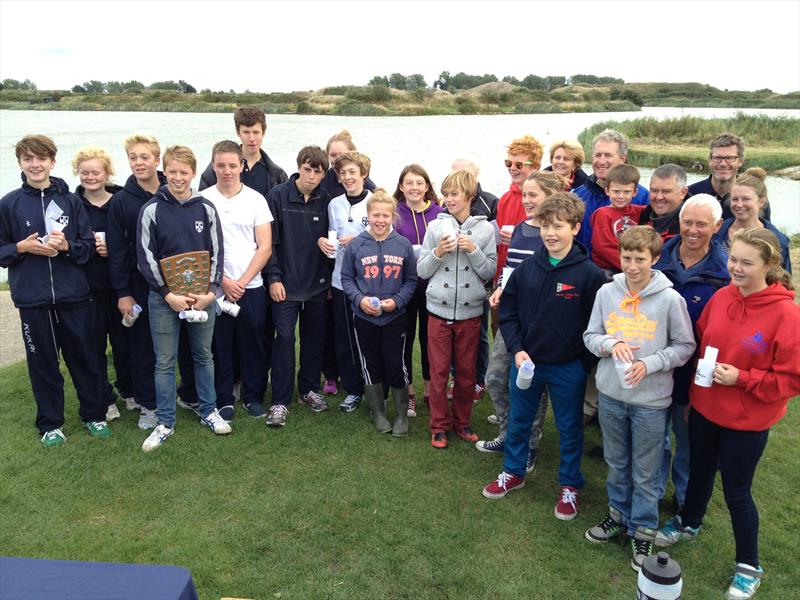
(123,219)
(96,269)
(40,280)
(595,197)
(386,269)
(168,227)
(545,309)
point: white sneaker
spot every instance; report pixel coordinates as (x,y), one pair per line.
(493,419)
(217,424)
(155,439)
(112,412)
(130,404)
(147,419)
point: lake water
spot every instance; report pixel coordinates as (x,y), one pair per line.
(391,142)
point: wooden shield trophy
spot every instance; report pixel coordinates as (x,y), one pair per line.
(187,273)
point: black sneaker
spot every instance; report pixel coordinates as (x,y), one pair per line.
(255,409)
(604,531)
(227,413)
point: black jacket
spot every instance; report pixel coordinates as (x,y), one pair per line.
(296,260)
(123,219)
(96,269)
(544,310)
(40,280)
(262,176)
(484,204)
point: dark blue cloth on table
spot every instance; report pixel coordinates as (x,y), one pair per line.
(38,579)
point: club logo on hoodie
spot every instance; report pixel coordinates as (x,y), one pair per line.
(198,226)
(756,344)
(567,291)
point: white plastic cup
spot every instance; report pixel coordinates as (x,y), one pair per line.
(375,303)
(417,250)
(508,229)
(333,239)
(448,229)
(101,236)
(704,375)
(129,320)
(507,271)
(525,375)
(193,316)
(622,366)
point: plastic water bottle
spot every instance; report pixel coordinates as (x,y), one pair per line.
(193,316)
(525,375)
(129,319)
(659,579)
(375,303)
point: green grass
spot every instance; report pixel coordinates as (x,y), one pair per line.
(327,508)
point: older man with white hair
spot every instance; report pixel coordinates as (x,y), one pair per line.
(696,264)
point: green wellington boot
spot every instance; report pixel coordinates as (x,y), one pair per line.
(400,396)
(374,395)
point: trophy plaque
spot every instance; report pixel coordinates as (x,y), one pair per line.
(187,273)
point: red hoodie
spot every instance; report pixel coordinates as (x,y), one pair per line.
(509,212)
(758,334)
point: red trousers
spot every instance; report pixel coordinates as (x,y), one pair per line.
(456,342)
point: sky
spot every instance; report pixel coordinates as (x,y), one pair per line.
(292,46)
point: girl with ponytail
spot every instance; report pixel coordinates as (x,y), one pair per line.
(755,325)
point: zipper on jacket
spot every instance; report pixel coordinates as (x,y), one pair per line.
(49,260)
(455,291)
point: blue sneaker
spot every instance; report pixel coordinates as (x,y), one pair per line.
(496,445)
(745,582)
(530,464)
(350,403)
(675,531)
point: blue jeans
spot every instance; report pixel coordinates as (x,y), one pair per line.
(633,442)
(165,329)
(680,461)
(566,383)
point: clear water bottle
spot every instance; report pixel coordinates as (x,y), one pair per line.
(375,303)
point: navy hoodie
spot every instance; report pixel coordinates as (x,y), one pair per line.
(545,309)
(96,269)
(123,219)
(168,227)
(40,280)
(296,260)
(386,269)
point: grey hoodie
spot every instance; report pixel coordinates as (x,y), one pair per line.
(659,324)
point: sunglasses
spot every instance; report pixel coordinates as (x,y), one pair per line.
(517,164)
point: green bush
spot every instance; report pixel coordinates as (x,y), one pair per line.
(352,108)
(370,93)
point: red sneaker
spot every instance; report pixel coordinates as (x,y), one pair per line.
(439,440)
(567,505)
(466,434)
(504,483)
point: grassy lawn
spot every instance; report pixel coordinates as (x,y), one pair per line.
(327,508)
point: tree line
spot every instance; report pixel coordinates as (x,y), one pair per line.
(463,81)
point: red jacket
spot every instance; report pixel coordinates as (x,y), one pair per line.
(758,334)
(509,212)
(608,223)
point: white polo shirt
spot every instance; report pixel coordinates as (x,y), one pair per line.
(239,215)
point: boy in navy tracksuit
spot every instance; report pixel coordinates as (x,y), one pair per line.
(176,221)
(45,237)
(93,167)
(299,278)
(544,310)
(380,263)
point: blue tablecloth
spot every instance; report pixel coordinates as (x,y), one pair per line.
(37,579)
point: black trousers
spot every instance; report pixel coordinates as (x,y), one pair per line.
(348,360)
(382,351)
(46,331)
(108,327)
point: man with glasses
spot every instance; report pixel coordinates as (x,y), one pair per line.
(696,265)
(609,149)
(725,158)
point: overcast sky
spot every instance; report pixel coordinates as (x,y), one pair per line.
(287,46)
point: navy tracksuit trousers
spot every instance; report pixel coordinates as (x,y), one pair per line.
(46,331)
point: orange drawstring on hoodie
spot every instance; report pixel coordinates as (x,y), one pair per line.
(630,303)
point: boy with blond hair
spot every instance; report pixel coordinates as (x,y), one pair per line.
(544,310)
(458,257)
(641,331)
